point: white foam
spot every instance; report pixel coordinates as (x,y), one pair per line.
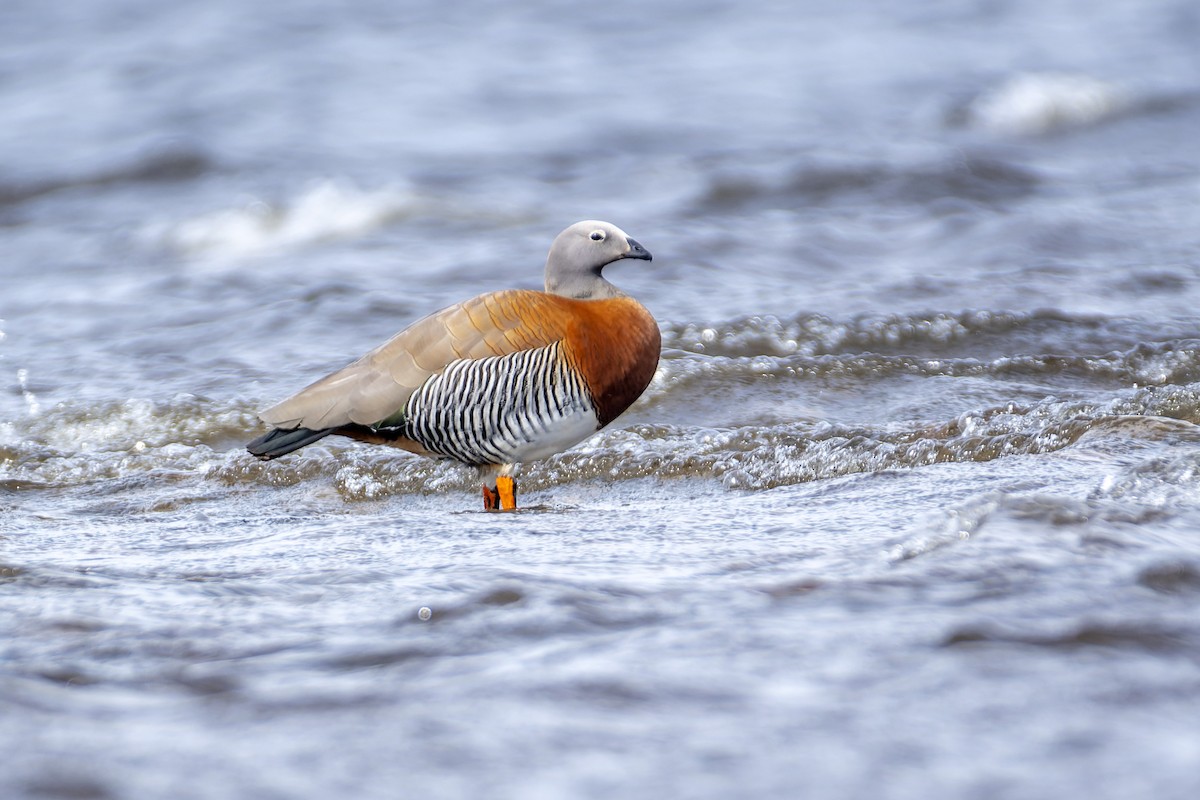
(326,210)
(1037,103)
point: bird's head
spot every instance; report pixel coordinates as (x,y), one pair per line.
(581,252)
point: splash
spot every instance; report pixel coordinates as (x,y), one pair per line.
(31,402)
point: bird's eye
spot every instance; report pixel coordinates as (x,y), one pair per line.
(597,236)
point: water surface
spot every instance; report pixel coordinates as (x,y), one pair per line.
(910,509)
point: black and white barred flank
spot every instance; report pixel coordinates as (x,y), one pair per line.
(502,409)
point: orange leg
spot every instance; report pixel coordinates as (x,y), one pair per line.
(491,499)
(506,487)
(502,496)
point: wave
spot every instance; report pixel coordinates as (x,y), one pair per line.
(722,373)
(972,332)
(817,334)
(1149,636)
(326,210)
(1037,103)
(973,178)
(1167,363)
(166,164)
(196,442)
(1043,103)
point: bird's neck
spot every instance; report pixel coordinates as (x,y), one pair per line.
(582,286)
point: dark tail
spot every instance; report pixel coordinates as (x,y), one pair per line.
(280,442)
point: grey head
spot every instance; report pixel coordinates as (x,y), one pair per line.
(581,252)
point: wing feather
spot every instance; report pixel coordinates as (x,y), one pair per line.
(379,384)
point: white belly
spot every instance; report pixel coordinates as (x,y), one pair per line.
(560,434)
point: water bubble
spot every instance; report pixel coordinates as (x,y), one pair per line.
(424,614)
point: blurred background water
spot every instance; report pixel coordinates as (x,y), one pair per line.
(909,511)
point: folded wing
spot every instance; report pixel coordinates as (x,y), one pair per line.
(379,385)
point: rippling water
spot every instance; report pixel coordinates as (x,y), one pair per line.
(910,510)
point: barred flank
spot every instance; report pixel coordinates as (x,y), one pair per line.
(484,411)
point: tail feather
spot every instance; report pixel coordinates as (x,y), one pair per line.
(280,442)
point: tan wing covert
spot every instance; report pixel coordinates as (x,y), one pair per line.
(380,383)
